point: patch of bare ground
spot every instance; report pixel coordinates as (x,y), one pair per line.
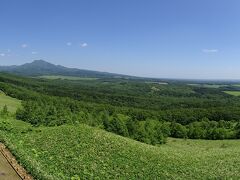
(13,162)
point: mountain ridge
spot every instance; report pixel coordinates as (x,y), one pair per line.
(42,67)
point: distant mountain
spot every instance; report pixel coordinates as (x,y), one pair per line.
(41,67)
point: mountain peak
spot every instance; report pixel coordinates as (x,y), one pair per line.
(41,67)
(39,61)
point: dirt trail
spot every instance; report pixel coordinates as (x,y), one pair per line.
(9,167)
(6,170)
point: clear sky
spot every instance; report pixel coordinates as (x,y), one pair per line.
(154,38)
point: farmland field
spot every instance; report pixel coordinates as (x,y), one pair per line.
(234,93)
(11,103)
(68,78)
(93,153)
(208,85)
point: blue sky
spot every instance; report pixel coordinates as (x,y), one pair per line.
(154,38)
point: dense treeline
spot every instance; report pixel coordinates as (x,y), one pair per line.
(131,109)
(51,112)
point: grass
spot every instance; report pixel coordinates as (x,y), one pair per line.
(209,85)
(74,152)
(74,78)
(10,102)
(152,82)
(233,93)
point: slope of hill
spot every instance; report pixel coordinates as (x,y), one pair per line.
(83,152)
(11,103)
(41,67)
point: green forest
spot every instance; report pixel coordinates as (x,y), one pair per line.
(141,109)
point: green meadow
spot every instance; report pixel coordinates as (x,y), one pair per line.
(208,85)
(11,103)
(73,78)
(234,93)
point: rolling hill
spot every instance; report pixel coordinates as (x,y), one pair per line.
(41,67)
(91,153)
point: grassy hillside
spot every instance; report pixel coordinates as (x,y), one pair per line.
(81,151)
(234,93)
(10,102)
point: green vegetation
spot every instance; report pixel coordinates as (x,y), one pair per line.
(74,78)
(11,103)
(130,108)
(233,93)
(209,85)
(93,153)
(53,130)
(156,82)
